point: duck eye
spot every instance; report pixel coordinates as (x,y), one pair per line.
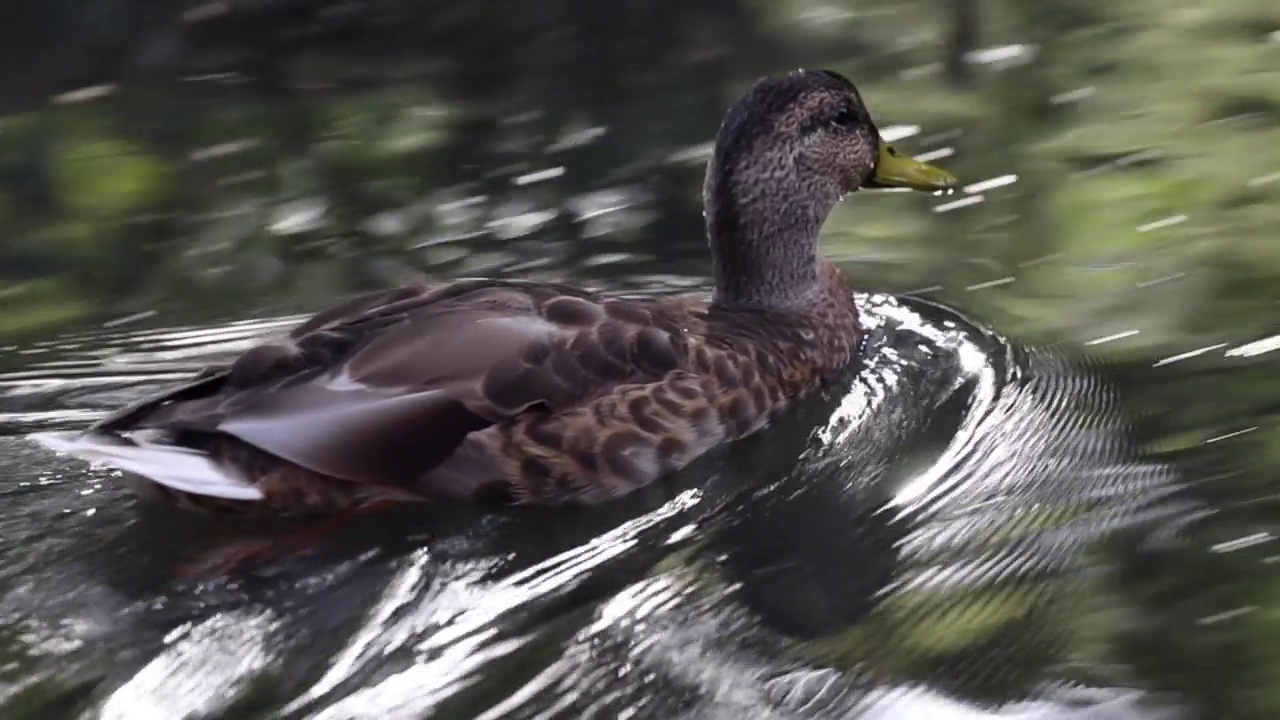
(843,117)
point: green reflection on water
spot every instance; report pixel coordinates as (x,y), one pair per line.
(1131,154)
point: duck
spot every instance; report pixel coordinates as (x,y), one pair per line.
(514,392)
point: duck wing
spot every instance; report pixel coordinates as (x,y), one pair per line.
(386,387)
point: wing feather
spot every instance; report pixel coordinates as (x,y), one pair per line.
(386,387)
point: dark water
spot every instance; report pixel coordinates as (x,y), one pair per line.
(1047,490)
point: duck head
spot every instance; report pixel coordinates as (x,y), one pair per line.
(787,151)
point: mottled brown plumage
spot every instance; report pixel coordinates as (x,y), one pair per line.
(514,392)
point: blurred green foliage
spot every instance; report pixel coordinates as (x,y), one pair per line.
(1139,143)
(1143,140)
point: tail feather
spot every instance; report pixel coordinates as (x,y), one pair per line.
(173,466)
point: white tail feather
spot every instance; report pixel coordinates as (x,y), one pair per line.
(176,467)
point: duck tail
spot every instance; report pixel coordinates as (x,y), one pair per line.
(173,466)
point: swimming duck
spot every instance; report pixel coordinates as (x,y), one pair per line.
(530,393)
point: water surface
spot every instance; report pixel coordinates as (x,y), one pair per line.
(1046,489)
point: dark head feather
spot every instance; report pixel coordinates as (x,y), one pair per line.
(786,152)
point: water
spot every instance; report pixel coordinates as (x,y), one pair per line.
(1046,491)
(946,495)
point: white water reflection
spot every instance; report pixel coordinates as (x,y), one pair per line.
(434,628)
(203,670)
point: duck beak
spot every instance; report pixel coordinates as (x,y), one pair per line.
(895,169)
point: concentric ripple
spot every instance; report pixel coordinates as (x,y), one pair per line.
(920,542)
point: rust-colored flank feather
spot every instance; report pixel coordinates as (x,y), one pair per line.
(528,393)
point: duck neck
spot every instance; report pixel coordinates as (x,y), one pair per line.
(764,242)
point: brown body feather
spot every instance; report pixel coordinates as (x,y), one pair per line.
(496,391)
(490,390)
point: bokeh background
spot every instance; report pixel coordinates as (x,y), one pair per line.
(169,163)
(1121,158)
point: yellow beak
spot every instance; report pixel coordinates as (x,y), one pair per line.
(895,169)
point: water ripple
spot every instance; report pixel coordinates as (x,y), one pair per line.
(907,544)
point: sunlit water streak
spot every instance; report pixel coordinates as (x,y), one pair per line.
(859,561)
